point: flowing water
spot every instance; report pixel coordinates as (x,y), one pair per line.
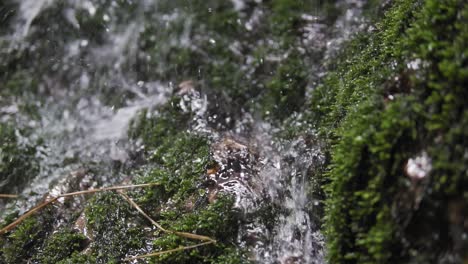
(93,90)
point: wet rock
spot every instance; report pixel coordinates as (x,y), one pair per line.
(80,226)
(234,173)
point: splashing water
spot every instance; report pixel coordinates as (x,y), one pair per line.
(75,126)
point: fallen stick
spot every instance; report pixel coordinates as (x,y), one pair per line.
(208,240)
(26,215)
(44,204)
(113,188)
(181,234)
(8,195)
(168,251)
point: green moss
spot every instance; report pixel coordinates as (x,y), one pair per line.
(114,226)
(215,220)
(22,243)
(13,249)
(177,160)
(60,246)
(77,258)
(183,160)
(394,93)
(231,62)
(286,18)
(155,129)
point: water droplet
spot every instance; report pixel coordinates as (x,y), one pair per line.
(84,43)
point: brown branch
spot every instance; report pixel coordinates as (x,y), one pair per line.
(136,206)
(113,188)
(42,205)
(181,248)
(26,215)
(181,234)
(8,195)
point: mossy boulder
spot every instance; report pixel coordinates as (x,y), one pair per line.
(396,94)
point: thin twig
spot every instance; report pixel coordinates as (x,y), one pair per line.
(136,206)
(26,215)
(8,195)
(42,205)
(169,251)
(181,234)
(113,188)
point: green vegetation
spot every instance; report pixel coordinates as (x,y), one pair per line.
(77,258)
(215,220)
(115,230)
(26,239)
(396,92)
(154,131)
(17,246)
(60,246)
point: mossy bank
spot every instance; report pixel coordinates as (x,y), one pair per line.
(396,97)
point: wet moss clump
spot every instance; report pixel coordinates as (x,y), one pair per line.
(60,246)
(78,258)
(286,89)
(215,220)
(153,130)
(115,228)
(23,243)
(396,95)
(182,162)
(17,247)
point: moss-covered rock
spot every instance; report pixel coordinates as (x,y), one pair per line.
(25,241)
(178,162)
(391,111)
(16,248)
(395,94)
(114,225)
(60,246)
